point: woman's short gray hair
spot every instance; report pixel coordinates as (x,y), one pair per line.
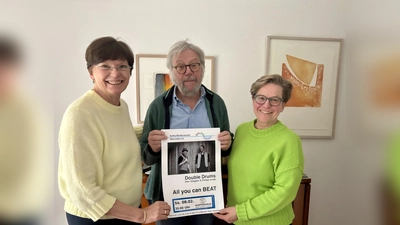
(274,79)
(180,46)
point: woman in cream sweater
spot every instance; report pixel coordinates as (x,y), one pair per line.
(100,174)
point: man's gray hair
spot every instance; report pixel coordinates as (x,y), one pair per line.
(180,46)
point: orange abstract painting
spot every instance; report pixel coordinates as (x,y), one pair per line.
(303,94)
(162,82)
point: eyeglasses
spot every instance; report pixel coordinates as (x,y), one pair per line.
(108,68)
(194,67)
(261,99)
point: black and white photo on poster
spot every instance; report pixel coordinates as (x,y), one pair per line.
(191,157)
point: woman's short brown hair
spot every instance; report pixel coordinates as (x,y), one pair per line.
(108,48)
(274,79)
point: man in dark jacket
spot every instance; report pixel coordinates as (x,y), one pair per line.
(187,104)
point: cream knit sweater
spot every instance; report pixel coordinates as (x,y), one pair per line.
(99,157)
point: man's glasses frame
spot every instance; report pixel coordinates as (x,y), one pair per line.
(194,67)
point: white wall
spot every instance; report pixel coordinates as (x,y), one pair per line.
(233,31)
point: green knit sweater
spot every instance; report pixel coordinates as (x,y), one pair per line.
(265,169)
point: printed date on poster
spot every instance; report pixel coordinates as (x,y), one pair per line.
(193,203)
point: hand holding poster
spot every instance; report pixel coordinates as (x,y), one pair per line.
(191,171)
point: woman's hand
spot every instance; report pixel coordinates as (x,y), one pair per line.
(226,140)
(157,211)
(227,214)
(154,139)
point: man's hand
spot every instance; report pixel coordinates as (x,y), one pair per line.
(154,139)
(225,138)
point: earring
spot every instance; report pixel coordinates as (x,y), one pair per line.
(93,81)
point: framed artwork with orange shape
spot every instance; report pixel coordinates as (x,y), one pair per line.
(152,79)
(312,65)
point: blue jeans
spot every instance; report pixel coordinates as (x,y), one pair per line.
(76,220)
(204,219)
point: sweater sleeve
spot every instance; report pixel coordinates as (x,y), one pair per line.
(81,147)
(152,122)
(223,120)
(288,175)
(138,131)
(280,195)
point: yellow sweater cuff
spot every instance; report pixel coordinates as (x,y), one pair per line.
(101,208)
(97,211)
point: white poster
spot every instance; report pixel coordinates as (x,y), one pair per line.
(191,171)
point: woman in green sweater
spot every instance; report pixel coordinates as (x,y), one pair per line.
(266,163)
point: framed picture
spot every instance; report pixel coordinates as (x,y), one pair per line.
(152,79)
(312,65)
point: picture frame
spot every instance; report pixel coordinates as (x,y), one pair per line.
(313,66)
(152,79)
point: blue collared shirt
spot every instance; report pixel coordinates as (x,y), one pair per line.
(183,117)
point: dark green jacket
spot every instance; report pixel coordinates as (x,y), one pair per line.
(158,117)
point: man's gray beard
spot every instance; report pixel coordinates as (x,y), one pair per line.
(184,91)
(187,93)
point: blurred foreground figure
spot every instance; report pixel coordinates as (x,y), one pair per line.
(23,154)
(382,119)
(375,109)
(391,185)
